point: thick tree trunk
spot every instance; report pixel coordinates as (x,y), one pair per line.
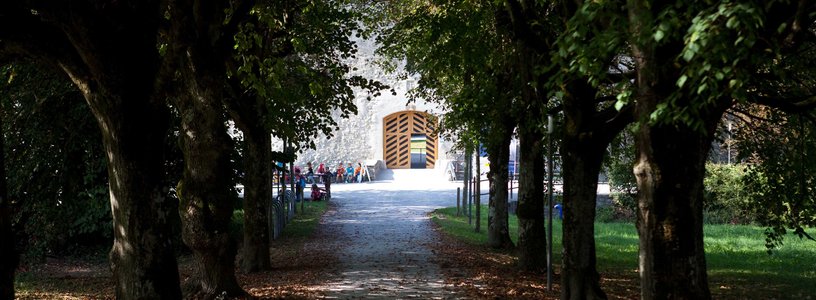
(587,133)
(205,33)
(247,110)
(205,191)
(670,169)
(142,258)
(117,68)
(257,194)
(8,255)
(498,228)
(581,164)
(532,239)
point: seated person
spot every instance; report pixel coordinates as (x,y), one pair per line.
(317,192)
(358,172)
(341,173)
(349,173)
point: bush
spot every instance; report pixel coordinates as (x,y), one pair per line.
(725,198)
(605,214)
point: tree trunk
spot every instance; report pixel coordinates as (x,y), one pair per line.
(205,38)
(117,68)
(205,190)
(581,164)
(532,238)
(247,110)
(498,228)
(257,194)
(142,258)
(8,255)
(670,169)
(587,134)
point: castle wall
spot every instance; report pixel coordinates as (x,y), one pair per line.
(360,137)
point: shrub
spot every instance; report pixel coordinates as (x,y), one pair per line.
(725,198)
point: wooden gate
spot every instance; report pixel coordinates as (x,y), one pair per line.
(398,128)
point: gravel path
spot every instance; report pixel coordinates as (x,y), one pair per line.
(381,231)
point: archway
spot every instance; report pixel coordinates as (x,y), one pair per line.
(409,141)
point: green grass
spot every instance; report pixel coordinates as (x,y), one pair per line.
(738,262)
(305,222)
(302,225)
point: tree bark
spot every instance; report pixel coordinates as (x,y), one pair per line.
(670,169)
(581,164)
(587,134)
(532,238)
(498,228)
(257,182)
(205,190)
(205,38)
(257,194)
(117,68)
(8,255)
(142,258)
(532,234)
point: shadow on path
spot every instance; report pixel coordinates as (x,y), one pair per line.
(380,231)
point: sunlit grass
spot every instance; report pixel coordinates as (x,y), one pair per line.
(737,260)
(305,222)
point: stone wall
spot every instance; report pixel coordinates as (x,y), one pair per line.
(360,137)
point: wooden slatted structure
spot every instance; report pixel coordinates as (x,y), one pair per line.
(397,130)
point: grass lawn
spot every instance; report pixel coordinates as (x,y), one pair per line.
(738,263)
(305,222)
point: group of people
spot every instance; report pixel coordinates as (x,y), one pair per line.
(347,174)
(324,175)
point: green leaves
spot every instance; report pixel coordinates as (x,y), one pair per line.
(458,54)
(781,148)
(58,182)
(719,42)
(295,57)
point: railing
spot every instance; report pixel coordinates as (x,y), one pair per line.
(277,214)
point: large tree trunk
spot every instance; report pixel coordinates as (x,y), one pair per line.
(247,110)
(581,164)
(205,39)
(8,255)
(587,134)
(670,169)
(117,68)
(205,190)
(119,78)
(142,257)
(498,228)
(532,239)
(257,194)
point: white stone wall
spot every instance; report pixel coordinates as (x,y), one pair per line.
(360,137)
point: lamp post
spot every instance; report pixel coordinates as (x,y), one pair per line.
(728,142)
(549,199)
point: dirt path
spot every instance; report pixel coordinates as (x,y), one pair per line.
(381,234)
